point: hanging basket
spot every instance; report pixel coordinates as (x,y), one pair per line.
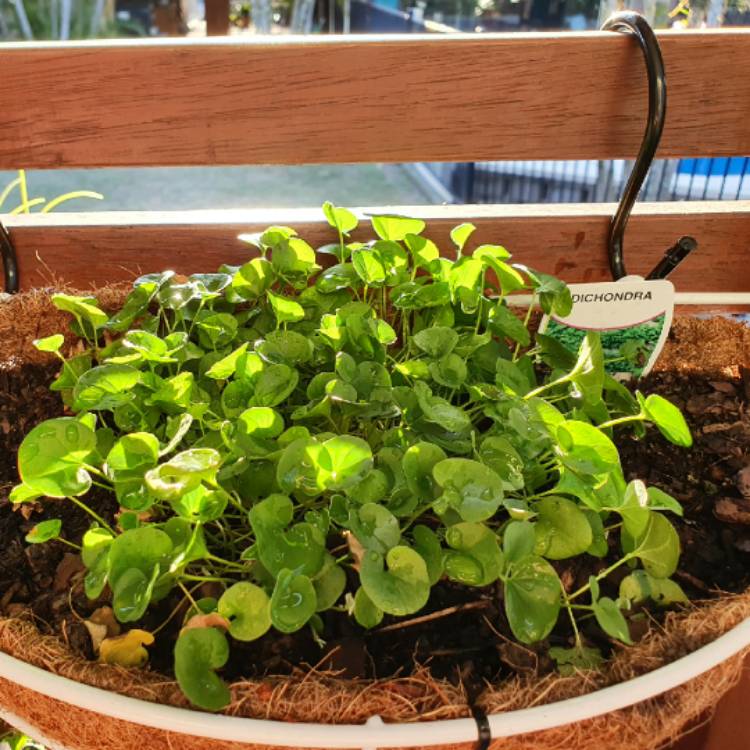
(642,699)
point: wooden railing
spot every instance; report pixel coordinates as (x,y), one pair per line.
(362,99)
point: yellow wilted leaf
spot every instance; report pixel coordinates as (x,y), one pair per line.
(126,650)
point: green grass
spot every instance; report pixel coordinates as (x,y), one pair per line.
(175,188)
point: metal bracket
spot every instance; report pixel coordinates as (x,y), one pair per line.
(10,262)
(635,24)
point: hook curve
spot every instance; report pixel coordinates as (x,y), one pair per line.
(635,24)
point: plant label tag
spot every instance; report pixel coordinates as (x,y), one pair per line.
(633,316)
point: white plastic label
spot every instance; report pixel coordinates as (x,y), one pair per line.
(633,316)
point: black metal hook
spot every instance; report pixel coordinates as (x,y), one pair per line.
(634,23)
(10,262)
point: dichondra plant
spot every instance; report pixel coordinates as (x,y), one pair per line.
(346,438)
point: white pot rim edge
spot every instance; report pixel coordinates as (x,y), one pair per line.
(376,734)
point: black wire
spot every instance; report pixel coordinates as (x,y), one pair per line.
(657,109)
(483,729)
(10,263)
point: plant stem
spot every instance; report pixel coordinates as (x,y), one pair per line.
(569,608)
(205,579)
(92,513)
(171,615)
(69,543)
(602,575)
(622,420)
(526,319)
(189,596)
(226,563)
(547,386)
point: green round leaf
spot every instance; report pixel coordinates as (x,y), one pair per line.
(588,372)
(518,540)
(136,558)
(472,489)
(369,267)
(253,279)
(562,529)
(423,251)
(660,500)
(659,547)
(248,610)
(375,527)
(586,449)
(137,451)
(437,341)
(611,620)
(395,228)
(402,589)
(532,599)
(84,309)
(499,454)
(339,218)
(342,461)
(639,586)
(329,584)
(292,256)
(285,347)
(293,601)
(105,387)
(150,347)
(427,544)
(449,371)
(45,531)
(477,559)
(259,422)
(183,473)
(50,457)
(201,504)
(373,488)
(668,419)
(198,652)
(300,548)
(274,385)
(226,366)
(365,612)
(460,235)
(286,310)
(215,330)
(50,343)
(131,593)
(439,411)
(418,462)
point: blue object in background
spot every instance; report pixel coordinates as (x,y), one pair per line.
(716,167)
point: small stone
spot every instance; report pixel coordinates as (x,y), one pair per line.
(723,386)
(743,482)
(732,511)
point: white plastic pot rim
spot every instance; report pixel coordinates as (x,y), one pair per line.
(376,734)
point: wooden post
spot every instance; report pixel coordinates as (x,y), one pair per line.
(217,17)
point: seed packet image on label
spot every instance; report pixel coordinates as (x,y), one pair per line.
(633,317)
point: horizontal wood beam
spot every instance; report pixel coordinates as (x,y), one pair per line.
(568,240)
(362,99)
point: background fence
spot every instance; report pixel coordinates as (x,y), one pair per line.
(591,181)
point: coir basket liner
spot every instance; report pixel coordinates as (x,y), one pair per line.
(326,699)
